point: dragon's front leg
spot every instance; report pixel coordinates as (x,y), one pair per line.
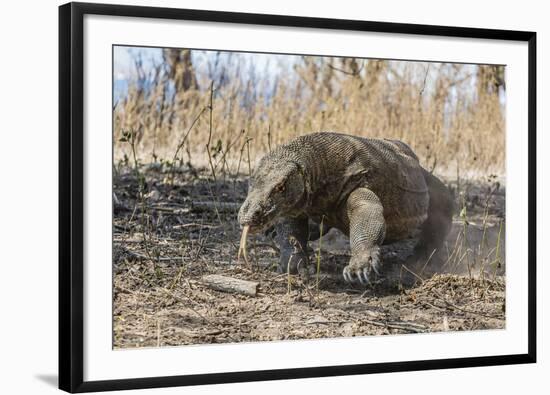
(367,229)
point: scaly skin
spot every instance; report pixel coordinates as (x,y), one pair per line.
(373,190)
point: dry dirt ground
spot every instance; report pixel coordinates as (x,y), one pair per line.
(184,227)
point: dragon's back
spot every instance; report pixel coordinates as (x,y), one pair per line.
(340,163)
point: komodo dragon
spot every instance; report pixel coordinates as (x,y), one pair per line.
(373,190)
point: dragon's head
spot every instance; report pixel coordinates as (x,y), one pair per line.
(275,189)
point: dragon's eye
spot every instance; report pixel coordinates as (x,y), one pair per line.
(280,187)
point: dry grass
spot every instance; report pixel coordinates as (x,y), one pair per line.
(450,114)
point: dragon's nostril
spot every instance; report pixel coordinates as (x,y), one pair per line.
(256,214)
(249,212)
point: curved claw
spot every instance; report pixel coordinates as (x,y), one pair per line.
(366,275)
(375,268)
(347,276)
(361,278)
(361,268)
(299,266)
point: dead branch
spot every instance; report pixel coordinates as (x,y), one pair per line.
(231,285)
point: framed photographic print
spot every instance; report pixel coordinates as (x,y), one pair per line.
(251,197)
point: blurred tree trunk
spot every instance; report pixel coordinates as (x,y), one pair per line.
(180,69)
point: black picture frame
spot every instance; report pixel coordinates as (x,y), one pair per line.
(71,172)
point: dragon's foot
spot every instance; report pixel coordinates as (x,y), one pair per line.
(363,265)
(293,263)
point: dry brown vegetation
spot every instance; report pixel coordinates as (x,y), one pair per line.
(180,174)
(450,114)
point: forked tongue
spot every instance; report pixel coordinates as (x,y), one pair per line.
(242,245)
